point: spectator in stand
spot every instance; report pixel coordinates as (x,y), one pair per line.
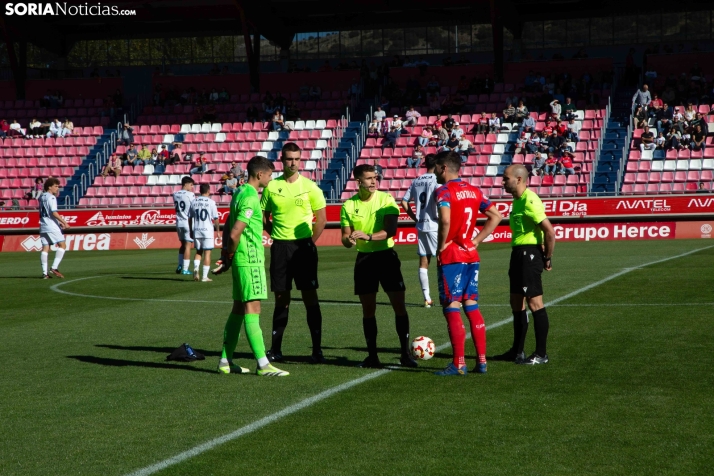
(698,137)
(412,117)
(556,143)
(433,86)
(660,141)
(37,188)
(677,115)
(35,128)
(132,157)
(664,118)
(466,148)
(379,114)
(458,102)
(200,165)
(494,124)
(550,164)
(561,128)
(573,133)
(278,121)
(509,114)
(231,183)
(674,138)
(690,113)
(224,96)
(397,124)
(153,157)
(521,112)
(55,129)
(425,136)
(451,144)
(702,188)
(415,160)
(16,130)
(533,144)
(555,109)
(448,123)
(144,153)
(113,166)
(568,109)
(539,164)
(640,117)
(442,135)
(481,125)
(528,125)
(374,129)
(647,140)
(655,106)
(251,113)
(213,96)
(4,128)
(315,92)
(176,154)
(126,135)
(378,170)
(163,152)
(434,104)
(565,164)
(390,138)
(642,96)
(457,130)
(521,143)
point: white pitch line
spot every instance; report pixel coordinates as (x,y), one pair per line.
(287,411)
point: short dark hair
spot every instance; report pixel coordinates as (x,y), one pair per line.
(186,180)
(204,188)
(451,160)
(50,182)
(430,161)
(290,147)
(259,164)
(359,170)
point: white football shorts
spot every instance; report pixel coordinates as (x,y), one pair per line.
(427,243)
(203,244)
(184,234)
(51,237)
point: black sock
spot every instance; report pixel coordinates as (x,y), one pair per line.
(402,325)
(370,335)
(280,322)
(520,329)
(541,326)
(314,322)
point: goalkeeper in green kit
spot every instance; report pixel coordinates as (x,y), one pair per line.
(244,255)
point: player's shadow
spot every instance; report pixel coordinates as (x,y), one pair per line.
(163,350)
(157,279)
(337,301)
(329,360)
(90,359)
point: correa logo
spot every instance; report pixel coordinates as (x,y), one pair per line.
(32,243)
(61,8)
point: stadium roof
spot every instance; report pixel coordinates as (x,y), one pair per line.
(280,20)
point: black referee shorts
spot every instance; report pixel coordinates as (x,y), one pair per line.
(379,267)
(525,270)
(293,260)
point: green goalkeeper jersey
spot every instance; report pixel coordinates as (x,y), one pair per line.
(245,206)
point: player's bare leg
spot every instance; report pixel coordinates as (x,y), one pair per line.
(206,267)
(196,263)
(424,280)
(59,254)
(401,322)
(369,324)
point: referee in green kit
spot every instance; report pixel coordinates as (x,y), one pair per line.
(532,241)
(289,203)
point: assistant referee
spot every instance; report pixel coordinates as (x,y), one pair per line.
(532,241)
(289,203)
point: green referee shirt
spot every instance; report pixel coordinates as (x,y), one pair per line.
(368,217)
(245,206)
(528,211)
(292,206)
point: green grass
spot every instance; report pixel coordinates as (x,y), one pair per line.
(85,388)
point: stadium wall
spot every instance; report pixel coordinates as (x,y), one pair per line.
(90,88)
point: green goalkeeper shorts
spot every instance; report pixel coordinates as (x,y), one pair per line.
(249,283)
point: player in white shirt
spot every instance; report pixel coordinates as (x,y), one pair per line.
(204,220)
(421,192)
(51,226)
(182,205)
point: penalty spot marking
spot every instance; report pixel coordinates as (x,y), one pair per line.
(287,411)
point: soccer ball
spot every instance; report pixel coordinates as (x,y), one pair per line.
(423,348)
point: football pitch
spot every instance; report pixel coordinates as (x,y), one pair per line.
(86,389)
